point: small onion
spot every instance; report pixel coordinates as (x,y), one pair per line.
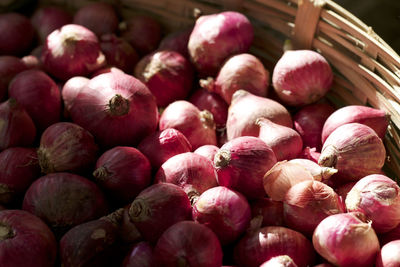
(270,210)
(9,67)
(389,256)
(176,41)
(319,173)
(140,254)
(207,151)
(70,90)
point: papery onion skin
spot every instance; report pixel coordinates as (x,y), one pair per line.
(279,261)
(301,77)
(29,243)
(17,129)
(9,67)
(319,173)
(310,153)
(140,254)
(18,169)
(117,109)
(207,151)
(355,150)
(389,256)
(257,247)
(215,37)
(158,207)
(378,197)
(246,108)
(270,210)
(70,90)
(241,164)
(188,243)
(337,236)
(377,119)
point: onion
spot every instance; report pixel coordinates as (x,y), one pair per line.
(192,172)
(167,74)
(354,150)
(246,108)
(346,239)
(64,200)
(284,141)
(72,50)
(70,90)
(307,203)
(99,17)
(9,67)
(106,70)
(158,207)
(118,52)
(66,146)
(198,126)
(123,172)
(16,34)
(39,95)
(391,235)
(343,189)
(389,255)
(259,246)
(212,102)
(127,231)
(18,128)
(32,62)
(116,108)
(18,169)
(159,146)
(242,71)
(318,173)
(25,240)
(142,32)
(188,243)
(378,197)
(141,254)
(301,77)
(241,164)
(177,41)
(279,261)
(309,121)
(216,37)
(377,119)
(46,19)
(207,151)
(270,210)
(310,153)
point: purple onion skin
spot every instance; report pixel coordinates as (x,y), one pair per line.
(389,256)
(141,254)
(9,67)
(177,41)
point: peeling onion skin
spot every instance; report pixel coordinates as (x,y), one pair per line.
(378,197)
(216,37)
(389,256)
(337,235)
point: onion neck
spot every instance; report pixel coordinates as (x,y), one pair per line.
(118,105)
(6,193)
(207,119)
(222,158)
(6,232)
(139,210)
(45,165)
(115,217)
(101,173)
(329,157)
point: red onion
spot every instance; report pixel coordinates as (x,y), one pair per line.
(99,17)
(241,164)
(212,102)
(309,121)
(377,119)
(106,70)
(158,207)
(192,172)
(310,153)
(9,67)
(224,211)
(279,261)
(167,74)
(343,189)
(354,150)
(116,108)
(64,200)
(378,197)
(18,169)
(159,146)
(198,126)
(70,90)
(16,34)
(346,239)
(216,37)
(66,146)
(25,240)
(207,151)
(270,210)
(391,235)
(123,172)
(127,231)
(307,203)
(389,255)
(246,108)
(188,243)
(284,141)
(301,77)
(72,50)
(242,71)
(142,32)
(118,52)
(46,19)
(18,128)
(259,246)
(176,41)
(32,62)
(318,173)
(141,254)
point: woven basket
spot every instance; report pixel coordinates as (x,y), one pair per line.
(367,70)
